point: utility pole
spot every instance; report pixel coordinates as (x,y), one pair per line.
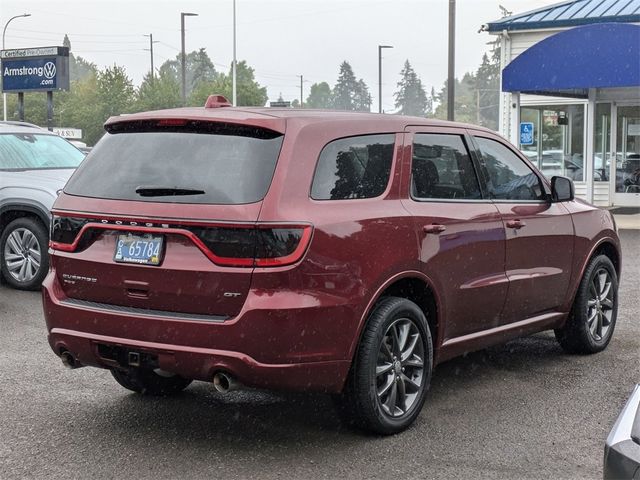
(234,66)
(49,111)
(380,47)
(150,49)
(184,59)
(451,77)
(301,91)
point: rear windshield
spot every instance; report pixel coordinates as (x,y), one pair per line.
(29,151)
(218,166)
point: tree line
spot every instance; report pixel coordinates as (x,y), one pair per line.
(96,94)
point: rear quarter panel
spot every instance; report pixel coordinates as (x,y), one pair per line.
(357,244)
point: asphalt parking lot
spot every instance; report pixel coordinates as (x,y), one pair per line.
(522,410)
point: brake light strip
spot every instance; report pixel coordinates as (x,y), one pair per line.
(293,257)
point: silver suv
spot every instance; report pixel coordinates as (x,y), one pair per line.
(34,165)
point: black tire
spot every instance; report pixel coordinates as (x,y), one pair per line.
(359,403)
(38,231)
(148,382)
(580,332)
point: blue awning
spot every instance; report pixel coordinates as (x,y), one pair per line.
(605,55)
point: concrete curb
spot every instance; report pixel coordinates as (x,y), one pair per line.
(628,222)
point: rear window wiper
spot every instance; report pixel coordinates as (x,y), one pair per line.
(157,191)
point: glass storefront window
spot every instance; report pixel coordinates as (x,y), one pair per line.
(602,143)
(558,147)
(628,151)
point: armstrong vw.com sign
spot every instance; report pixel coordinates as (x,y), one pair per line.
(35,69)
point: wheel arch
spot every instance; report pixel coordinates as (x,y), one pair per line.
(11,211)
(414,286)
(606,246)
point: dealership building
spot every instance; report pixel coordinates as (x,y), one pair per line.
(570,94)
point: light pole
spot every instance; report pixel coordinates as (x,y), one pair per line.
(184,59)
(234,98)
(4,95)
(151,42)
(380,47)
(451,77)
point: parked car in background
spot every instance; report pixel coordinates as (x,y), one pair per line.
(622,449)
(553,161)
(308,250)
(34,165)
(80,146)
(628,174)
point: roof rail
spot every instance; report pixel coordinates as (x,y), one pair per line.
(19,124)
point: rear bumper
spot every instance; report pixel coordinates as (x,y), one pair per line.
(202,363)
(280,343)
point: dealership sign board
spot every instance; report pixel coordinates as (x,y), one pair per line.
(41,69)
(71,133)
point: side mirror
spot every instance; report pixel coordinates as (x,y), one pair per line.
(562,189)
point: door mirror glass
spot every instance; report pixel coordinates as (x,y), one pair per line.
(562,189)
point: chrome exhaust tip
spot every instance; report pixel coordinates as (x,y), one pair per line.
(68,360)
(223,382)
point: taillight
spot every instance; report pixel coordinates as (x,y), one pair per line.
(278,246)
(242,245)
(262,245)
(66,229)
(66,235)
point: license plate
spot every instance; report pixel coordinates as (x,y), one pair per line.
(140,249)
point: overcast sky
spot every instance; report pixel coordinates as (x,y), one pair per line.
(280,39)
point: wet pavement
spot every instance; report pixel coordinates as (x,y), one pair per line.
(521,410)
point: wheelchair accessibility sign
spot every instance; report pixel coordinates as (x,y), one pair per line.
(526,133)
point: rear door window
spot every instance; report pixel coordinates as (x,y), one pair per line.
(354,167)
(442,169)
(210,164)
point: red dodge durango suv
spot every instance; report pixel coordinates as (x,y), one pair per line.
(338,252)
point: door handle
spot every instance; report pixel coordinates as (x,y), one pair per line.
(517,224)
(434,228)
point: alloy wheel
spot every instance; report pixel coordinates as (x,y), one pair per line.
(22,255)
(400,367)
(600,305)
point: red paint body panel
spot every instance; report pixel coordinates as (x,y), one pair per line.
(539,258)
(296,327)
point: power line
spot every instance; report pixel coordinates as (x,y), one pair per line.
(106,20)
(167,45)
(288,17)
(75,41)
(110,35)
(124,52)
